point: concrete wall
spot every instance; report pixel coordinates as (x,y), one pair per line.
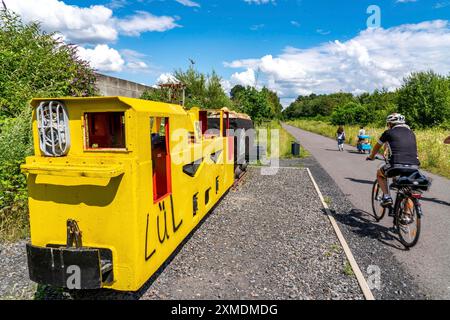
(111,86)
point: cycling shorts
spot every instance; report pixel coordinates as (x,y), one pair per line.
(395,170)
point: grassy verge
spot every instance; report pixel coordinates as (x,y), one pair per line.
(14,224)
(13,202)
(286,140)
(433,153)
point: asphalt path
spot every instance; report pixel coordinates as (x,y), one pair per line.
(429,261)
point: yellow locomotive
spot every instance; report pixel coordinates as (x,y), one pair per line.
(116,184)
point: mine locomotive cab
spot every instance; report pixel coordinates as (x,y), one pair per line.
(116,184)
(240,126)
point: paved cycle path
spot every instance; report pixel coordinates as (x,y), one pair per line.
(429,261)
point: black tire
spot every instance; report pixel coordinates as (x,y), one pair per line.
(414,236)
(378,211)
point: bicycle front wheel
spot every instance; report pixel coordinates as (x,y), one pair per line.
(408,222)
(377,198)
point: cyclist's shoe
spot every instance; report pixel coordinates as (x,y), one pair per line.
(387,201)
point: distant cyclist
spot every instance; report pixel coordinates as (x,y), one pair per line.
(402,145)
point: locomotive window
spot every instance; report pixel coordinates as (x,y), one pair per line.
(209,124)
(160,157)
(105,130)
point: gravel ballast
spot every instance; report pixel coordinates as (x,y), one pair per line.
(14,281)
(267,239)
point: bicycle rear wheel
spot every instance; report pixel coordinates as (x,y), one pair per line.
(408,231)
(377,197)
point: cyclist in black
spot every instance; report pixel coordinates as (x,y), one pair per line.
(402,145)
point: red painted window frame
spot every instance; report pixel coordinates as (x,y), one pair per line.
(168,166)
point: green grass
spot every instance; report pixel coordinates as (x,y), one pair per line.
(334,249)
(433,153)
(348,271)
(14,224)
(327,200)
(286,140)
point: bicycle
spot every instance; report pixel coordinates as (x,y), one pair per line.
(407,209)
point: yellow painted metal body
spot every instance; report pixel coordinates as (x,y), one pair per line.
(110,193)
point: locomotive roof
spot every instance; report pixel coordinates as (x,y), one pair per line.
(138,105)
(233,114)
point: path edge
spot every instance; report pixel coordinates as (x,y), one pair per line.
(357,271)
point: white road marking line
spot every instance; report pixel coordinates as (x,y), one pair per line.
(359,275)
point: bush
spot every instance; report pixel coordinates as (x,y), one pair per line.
(32,63)
(13,200)
(425,99)
(351,113)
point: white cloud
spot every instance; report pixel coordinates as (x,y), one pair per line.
(323,32)
(375,58)
(442,4)
(226,86)
(246,78)
(137,65)
(260,1)
(143,22)
(102,58)
(257,27)
(92,25)
(116,4)
(166,78)
(188,3)
(134,61)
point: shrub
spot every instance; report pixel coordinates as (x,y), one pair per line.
(350,113)
(425,99)
(32,63)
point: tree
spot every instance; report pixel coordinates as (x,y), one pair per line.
(317,105)
(424,99)
(379,105)
(274,102)
(351,113)
(259,105)
(201,90)
(160,94)
(236,90)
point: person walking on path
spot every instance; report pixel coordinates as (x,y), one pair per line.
(340,136)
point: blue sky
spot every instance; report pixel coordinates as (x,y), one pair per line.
(247,41)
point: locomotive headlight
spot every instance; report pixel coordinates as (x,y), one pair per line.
(53,127)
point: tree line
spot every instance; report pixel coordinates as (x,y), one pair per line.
(424,98)
(206,91)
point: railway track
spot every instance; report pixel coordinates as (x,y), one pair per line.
(240,180)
